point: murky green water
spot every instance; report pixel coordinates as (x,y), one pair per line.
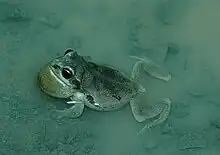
(183,36)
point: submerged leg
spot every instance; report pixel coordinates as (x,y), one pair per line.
(73,112)
(162,117)
(76,110)
(151,68)
(158,111)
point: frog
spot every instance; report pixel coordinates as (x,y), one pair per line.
(101,87)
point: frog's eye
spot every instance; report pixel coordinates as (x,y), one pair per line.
(67,73)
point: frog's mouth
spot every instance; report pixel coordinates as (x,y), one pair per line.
(52,85)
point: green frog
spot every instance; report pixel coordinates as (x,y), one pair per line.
(102,87)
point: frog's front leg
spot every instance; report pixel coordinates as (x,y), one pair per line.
(75,111)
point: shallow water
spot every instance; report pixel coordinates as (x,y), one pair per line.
(34,32)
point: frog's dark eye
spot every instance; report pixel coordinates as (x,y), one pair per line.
(67,73)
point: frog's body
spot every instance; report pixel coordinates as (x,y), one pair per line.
(101,87)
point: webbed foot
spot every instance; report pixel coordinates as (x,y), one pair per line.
(156,113)
(151,68)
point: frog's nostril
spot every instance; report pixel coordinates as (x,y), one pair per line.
(76,83)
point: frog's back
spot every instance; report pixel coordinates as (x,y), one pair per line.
(112,84)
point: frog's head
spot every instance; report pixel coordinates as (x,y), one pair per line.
(62,76)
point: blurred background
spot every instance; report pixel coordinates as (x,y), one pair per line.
(181,35)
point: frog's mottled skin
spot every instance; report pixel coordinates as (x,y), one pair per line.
(101,87)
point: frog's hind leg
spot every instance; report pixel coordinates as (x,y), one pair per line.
(156,113)
(162,117)
(151,68)
(74,111)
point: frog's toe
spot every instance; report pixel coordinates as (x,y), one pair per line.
(73,112)
(156,71)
